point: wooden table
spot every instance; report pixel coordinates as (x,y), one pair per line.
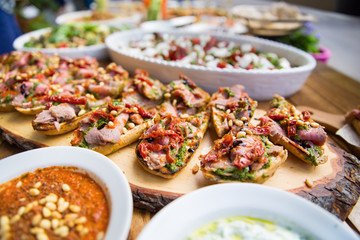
(326,89)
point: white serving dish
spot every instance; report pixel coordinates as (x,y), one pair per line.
(184,215)
(259,84)
(100,168)
(97,51)
(73,17)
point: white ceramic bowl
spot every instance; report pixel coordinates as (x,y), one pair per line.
(259,84)
(97,51)
(184,215)
(72,17)
(99,168)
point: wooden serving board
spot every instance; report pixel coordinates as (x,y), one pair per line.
(335,184)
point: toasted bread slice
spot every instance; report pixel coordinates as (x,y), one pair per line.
(177,148)
(32,110)
(249,158)
(112,127)
(231,106)
(6,107)
(296,131)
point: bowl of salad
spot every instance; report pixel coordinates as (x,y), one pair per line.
(70,40)
(264,67)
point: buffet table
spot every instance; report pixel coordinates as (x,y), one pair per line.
(326,90)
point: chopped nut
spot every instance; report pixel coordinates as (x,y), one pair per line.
(65,187)
(195,169)
(45,223)
(37,185)
(309,183)
(34,191)
(19,184)
(74,208)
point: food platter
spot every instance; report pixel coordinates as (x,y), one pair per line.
(153,193)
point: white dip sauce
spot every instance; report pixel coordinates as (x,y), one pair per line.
(243,228)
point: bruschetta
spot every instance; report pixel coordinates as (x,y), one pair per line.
(353,117)
(247,157)
(143,90)
(110,128)
(231,106)
(167,146)
(296,131)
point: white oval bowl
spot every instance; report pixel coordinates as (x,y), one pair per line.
(181,217)
(97,51)
(72,17)
(101,169)
(259,84)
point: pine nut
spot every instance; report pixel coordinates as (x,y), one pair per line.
(4,220)
(21,210)
(54,223)
(14,219)
(29,207)
(314,124)
(244,119)
(65,187)
(41,236)
(167,95)
(81,112)
(131,125)
(56,214)
(110,124)
(74,208)
(63,206)
(36,219)
(240,134)
(51,206)
(52,197)
(19,184)
(37,185)
(45,223)
(62,231)
(230,123)
(70,217)
(113,112)
(100,236)
(42,201)
(34,191)
(81,220)
(46,212)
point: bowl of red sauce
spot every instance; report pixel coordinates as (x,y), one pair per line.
(63,192)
